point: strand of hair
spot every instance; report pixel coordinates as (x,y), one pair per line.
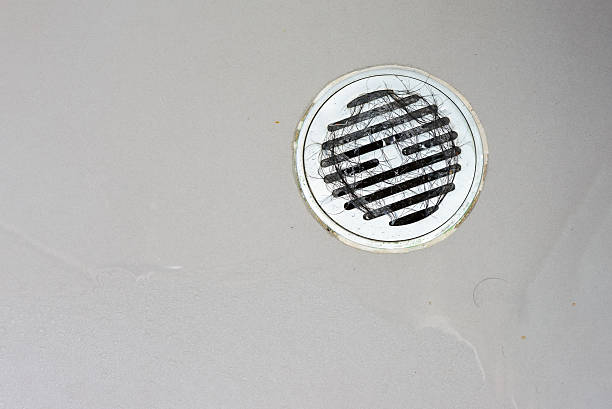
(391,173)
(410,201)
(370,96)
(362,116)
(435,141)
(409,184)
(372,146)
(350,171)
(414,217)
(353,136)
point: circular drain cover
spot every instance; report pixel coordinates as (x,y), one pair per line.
(390,158)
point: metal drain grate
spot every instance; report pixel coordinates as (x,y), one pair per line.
(398,119)
(389,158)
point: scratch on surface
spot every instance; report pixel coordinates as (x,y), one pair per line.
(443,325)
(478,285)
(44,249)
(577,240)
(139,273)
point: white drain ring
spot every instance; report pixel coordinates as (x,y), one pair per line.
(377,235)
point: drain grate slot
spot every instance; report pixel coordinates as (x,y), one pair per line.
(409,184)
(400,170)
(410,116)
(421,197)
(353,170)
(399,137)
(362,116)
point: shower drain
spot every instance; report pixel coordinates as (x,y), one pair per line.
(390,158)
